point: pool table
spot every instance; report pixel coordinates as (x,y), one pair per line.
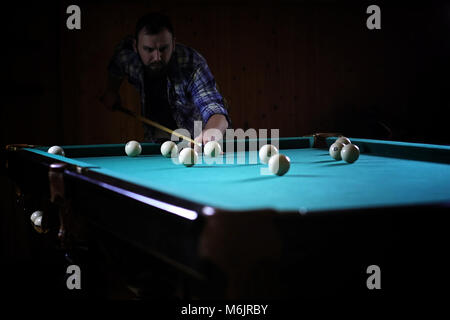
(228,229)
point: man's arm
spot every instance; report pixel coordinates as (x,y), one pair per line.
(118,68)
(211,106)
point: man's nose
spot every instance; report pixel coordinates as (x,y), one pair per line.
(157,55)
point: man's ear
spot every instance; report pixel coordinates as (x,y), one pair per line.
(134,45)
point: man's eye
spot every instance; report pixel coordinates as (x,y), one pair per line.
(162,49)
(149,49)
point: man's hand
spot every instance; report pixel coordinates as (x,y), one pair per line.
(206,136)
(110,99)
(213,131)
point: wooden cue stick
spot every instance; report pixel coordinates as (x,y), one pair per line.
(154,124)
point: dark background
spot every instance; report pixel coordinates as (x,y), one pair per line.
(299,66)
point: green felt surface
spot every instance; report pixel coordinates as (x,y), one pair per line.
(314,181)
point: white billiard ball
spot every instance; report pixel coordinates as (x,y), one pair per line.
(169,149)
(38,221)
(133,148)
(279,164)
(335,150)
(350,153)
(343,140)
(212,149)
(266,152)
(56,150)
(35,215)
(188,157)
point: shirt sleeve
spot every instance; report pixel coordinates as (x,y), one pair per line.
(205,95)
(123,61)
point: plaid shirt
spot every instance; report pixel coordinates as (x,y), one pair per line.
(191,88)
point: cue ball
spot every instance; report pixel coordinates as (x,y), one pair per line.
(188,157)
(279,164)
(350,153)
(169,149)
(212,149)
(133,148)
(343,140)
(56,150)
(266,152)
(335,150)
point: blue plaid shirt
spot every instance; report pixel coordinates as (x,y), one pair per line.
(191,88)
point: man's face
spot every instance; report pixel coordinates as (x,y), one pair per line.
(155,50)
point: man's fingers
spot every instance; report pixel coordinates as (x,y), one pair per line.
(211,134)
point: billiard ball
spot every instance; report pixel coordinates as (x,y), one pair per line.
(188,157)
(212,149)
(38,221)
(133,148)
(266,152)
(335,150)
(343,140)
(35,215)
(279,164)
(169,149)
(56,150)
(182,145)
(350,153)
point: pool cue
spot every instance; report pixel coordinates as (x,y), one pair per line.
(18,146)
(153,123)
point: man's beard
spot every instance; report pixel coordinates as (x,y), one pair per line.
(156,69)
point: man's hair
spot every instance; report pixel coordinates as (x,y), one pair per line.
(153,23)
